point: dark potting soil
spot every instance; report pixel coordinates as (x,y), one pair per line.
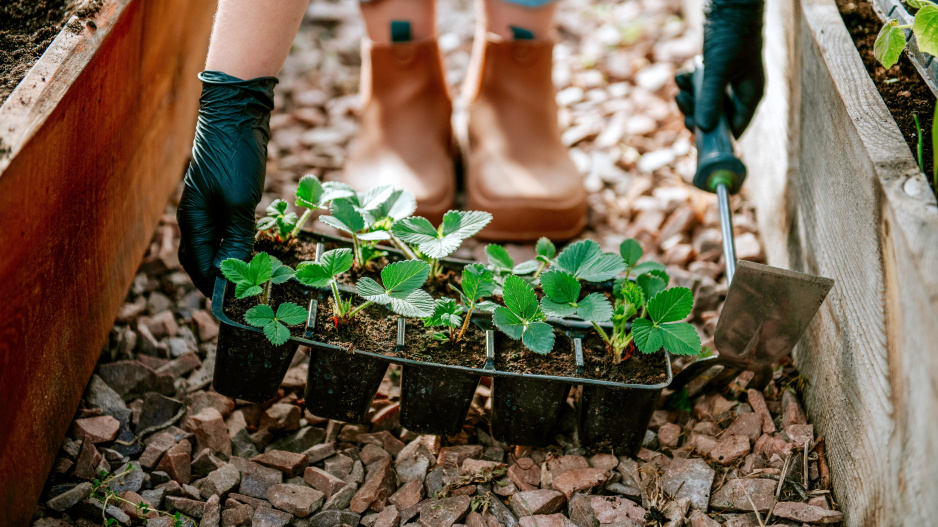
(235,308)
(512,356)
(901,86)
(303,249)
(27,27)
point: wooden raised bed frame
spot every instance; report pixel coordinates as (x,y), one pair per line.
(839,194)
(92,143)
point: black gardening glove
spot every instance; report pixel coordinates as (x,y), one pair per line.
(225,179)
(734,79)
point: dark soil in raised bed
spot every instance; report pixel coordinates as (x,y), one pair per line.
(901,86)
(27,27)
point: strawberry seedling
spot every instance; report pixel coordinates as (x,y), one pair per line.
(521,317)
(275,324)
(585,260)
(313,195)
(279,220)
(477,284)
(347,217)
(546,251)
(435,243)
(256,277)
(503,264)
(448,314)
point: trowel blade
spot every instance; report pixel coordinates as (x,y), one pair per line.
(767,310)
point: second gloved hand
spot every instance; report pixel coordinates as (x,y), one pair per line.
(225,179)
(734,78)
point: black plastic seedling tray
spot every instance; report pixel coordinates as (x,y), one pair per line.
(435,398)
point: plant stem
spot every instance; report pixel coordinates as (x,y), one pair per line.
(359,308)
(602,333)
(540,270)
(921,143)
(339,306)
(403,248)
(465,322)
(299,224)
(357,251)
(267,292)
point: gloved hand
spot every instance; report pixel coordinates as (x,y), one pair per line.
(225,178)
(734,79)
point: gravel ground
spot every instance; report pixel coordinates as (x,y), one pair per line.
(150,419)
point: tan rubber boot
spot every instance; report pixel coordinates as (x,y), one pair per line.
(518,168)
(406,137)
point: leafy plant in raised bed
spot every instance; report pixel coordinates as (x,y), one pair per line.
(400,290)
(255,278)
(347,216)
(435,243)
(311,195)
(892,39)
(477,284)
(586,260)
(521,318)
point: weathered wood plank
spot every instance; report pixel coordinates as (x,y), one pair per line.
(853,207)
(95,139)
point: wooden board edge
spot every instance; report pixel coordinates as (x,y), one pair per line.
(34,98)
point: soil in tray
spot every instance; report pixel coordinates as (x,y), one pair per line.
(901,86)
(235,308)
(640,368)
(375,330)
(27,27)
(303,249)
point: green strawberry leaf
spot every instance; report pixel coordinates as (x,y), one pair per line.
(526,267)
(439,243)
(646,267)
(671,305)
(646,335)
(277,207)
(546,249)
(631,251)
(660,273)
(312,194)
(375,236)
(631,298)
(499,257)
(509,323)
(557,309)
(680,338)
(246,289)
(322,273)
(585,260)
(412,304)
(520,299)
(406,275)
(651,285)
(477,282)
(259,269)
(344,217)
(539,337)
(560,286)
(259,315)
(925,28)
(446,313)
(291,314)
(236,271)
(286,223)
(889,44)
(594,308)
(399,205)
(266,223)
(276,333)
(279,273)
(402,298)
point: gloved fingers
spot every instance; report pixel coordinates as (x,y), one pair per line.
(685,97)
(198,242)
(708,107)
(746,96)
(238,240)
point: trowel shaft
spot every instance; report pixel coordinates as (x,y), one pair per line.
(726,226)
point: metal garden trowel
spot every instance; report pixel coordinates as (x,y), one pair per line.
(767,309)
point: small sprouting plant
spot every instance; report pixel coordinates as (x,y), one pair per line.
(892,40)
(278,219)
(401,289)
(448,314)
(521,318)
(477,284)
(435,243)
(275,324)
(503,264)
(311,195)
(546,251)
(347,217)
(256,277)
(562,299)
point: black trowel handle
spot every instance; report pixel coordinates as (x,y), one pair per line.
(716,159)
